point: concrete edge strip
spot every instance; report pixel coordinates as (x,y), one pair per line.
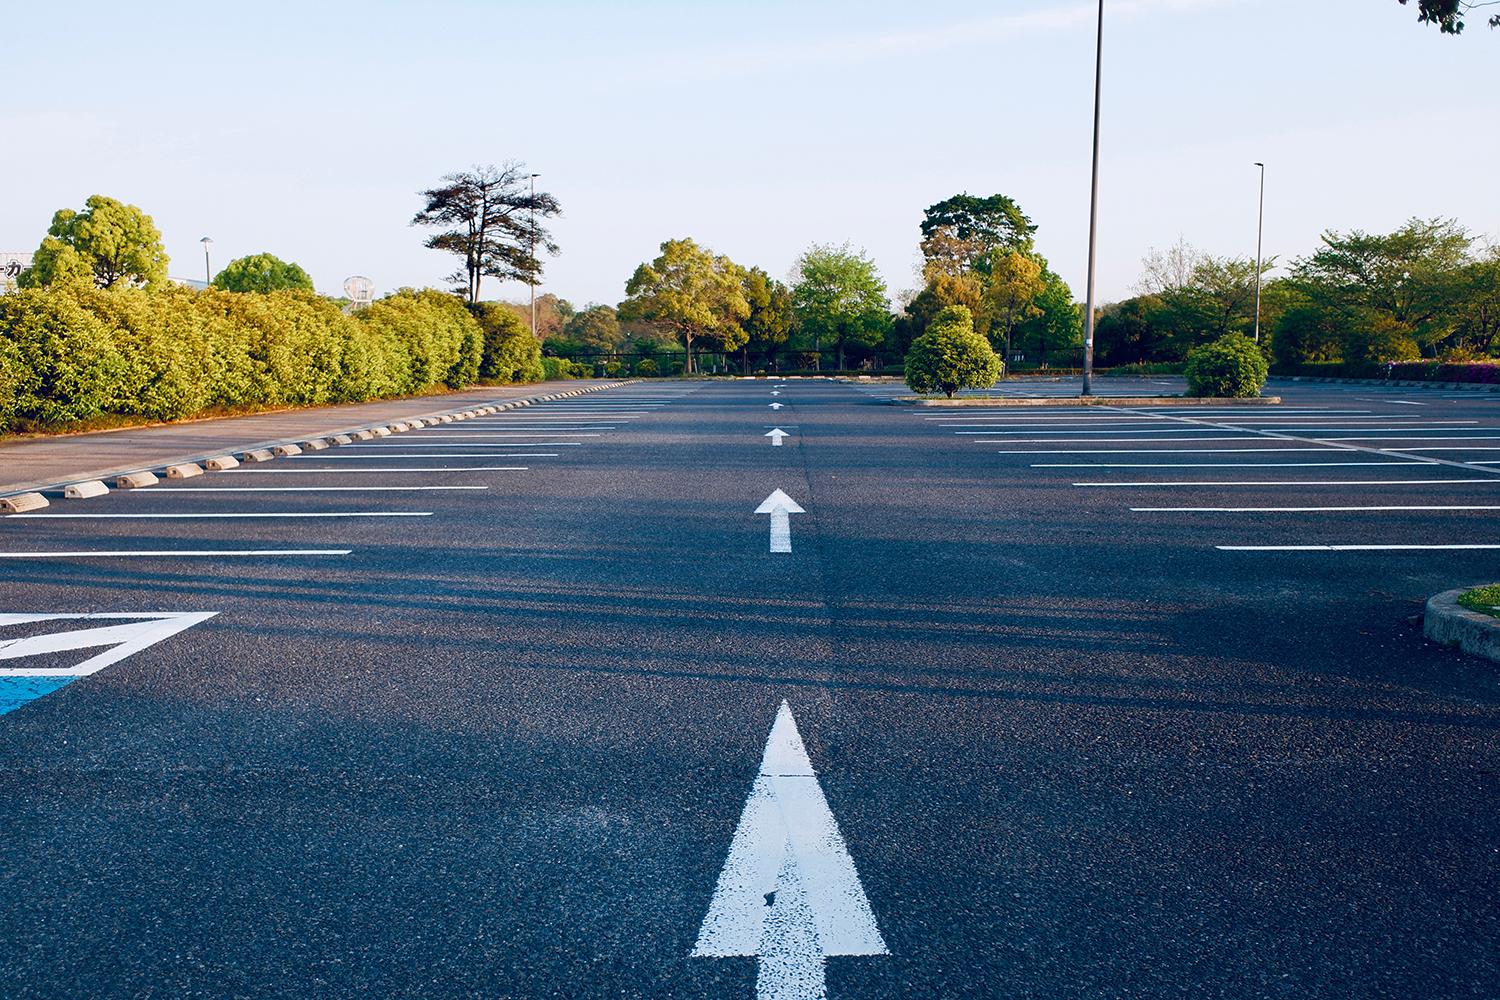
(138,477)
(1451,624)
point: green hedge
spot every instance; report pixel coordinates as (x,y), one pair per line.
(1231,366)
(555,368)
(69,355)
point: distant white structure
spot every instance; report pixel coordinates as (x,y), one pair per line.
(11,266)
(360,290)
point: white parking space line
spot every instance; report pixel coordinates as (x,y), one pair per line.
(266,514)
(172,553)
(1170,451)
(1475,448)
(290,489)
(1495,481)
(1212,465)
(428,455)
(1312,510)
(455,444)
(346,472)
(1355,548)
(508,434)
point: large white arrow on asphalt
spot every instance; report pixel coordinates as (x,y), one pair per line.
(133,633)
(776,436)
(780,506)
(775,406)
(789,894)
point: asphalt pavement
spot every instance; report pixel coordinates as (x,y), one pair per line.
(1116,702)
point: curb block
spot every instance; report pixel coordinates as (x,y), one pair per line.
(84,490)
(185,471)
(266,451)
(221,462)
(1451,624)
(22,502)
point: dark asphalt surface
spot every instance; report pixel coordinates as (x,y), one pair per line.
(1075,749)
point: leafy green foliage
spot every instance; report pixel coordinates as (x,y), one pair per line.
(77,353)
(562,368)
(1231,366)
(1056,323)
(962,233)
(595,330)
(510,352)
(691,292)
(951,356)
(109,241)
(647,368)
(769,325)
(262,272)
(838,296)
(1485,600)
(1448,15)
(1015,281)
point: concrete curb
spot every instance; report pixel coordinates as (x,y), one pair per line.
(1451,624)
(139,477)
(963,401)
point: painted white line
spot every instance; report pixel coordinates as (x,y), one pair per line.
(1475,448)
(455,444)
(1309,510)
(1398,402)
(435,454)
(173,553)
(125,639)
(1310,482)
(789,894)
(780,506)
(1162,440)
(1002,435)
(302,489)
(1170,451)
(173,517)
(1353,548)
(351,472)
(1209,465)
(502,434)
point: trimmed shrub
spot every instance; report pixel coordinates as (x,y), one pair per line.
(556,368)
(1482,372)
(951,356)
(646,368)
(510,353)
(68,366)
(1231,366)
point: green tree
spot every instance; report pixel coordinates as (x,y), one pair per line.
(1448,15)
(1015,281)
(951,356)
(692,293)
(963,232)
(490,220)
(262,272)
(1058,322)
(115,242)
(941,291)
(1412,278)
(769,325)
(595,330)
(510,352)
(1130,332)
(838,296)
(1478,326)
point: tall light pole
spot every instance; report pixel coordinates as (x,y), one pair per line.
(208,272)
(1088,306)
(531,278)
(1260,231)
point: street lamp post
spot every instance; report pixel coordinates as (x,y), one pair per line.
(531,277)
(208,271)
(1088,307)
(1260,231)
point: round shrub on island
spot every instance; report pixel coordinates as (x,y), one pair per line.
(1232,367)
(951,356)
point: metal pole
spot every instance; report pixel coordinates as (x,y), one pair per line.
(1260,230)
(531,278)
(1088,307)
(208,271)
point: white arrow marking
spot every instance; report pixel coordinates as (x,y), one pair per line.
(125,639)
(776,437)
(775,406)
(775,393)
(779,506)
(789,894)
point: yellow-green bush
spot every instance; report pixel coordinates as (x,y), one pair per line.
(71,354)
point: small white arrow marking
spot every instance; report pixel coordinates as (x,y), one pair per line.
(789,894)
(775,393)
(776,437)
(141,630)
(779,506)
(775,406)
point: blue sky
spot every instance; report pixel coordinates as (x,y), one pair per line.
(306,129)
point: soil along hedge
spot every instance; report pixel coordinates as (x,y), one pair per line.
(68,355)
